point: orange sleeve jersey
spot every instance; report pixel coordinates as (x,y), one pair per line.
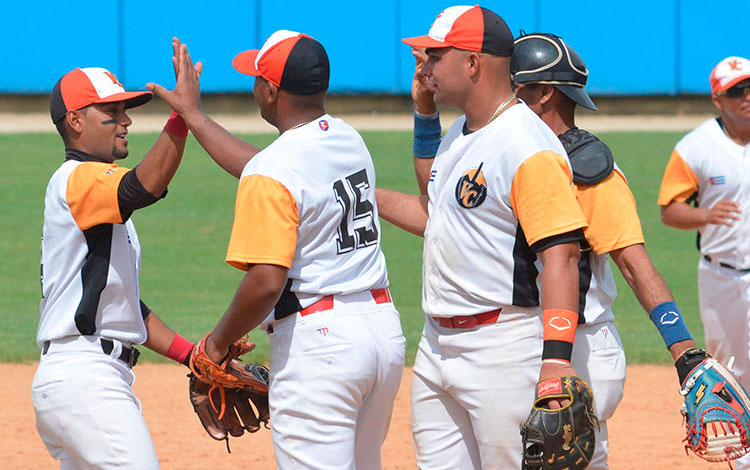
(265,224)
(679,181)
(610,210)
(91,194)
(547,209)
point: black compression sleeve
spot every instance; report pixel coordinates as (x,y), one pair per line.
(543,244)
(131,195)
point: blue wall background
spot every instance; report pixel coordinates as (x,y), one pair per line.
(631,48)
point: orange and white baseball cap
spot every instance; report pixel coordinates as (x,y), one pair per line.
(728,73)
(468,28)
(85,86)
(292,61)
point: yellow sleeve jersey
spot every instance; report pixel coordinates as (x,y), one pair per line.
(497,196)
(708,167)
(90,257)
(307,203)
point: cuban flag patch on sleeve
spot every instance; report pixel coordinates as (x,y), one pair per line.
(718,180)
(433,173)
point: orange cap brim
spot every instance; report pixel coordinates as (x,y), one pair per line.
(132,99)
(244,62)
(425,41)
(731,83)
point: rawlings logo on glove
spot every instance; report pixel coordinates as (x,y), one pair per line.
(223,395)
(716,408)
(562,438)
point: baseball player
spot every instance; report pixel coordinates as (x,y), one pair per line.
(307,234)
(549,76)
(709,167)
(493,217)
(91,311)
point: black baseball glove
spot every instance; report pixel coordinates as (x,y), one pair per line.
(563,438)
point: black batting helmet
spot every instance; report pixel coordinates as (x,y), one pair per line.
(545,58)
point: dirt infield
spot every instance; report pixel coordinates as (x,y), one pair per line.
(645,433)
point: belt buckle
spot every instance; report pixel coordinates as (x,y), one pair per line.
(133,358)
(468,321)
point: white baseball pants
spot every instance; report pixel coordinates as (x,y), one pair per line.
(86,411)
(724,298)
(334,377)
(473,388)
(599,359)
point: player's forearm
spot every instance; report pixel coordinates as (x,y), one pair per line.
(422,168)
(160,164)
(560,276)
(256,295)
(641,275)
(406,211)
(684,216)
(163,340)
(228,151)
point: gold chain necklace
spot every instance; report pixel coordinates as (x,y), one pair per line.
(501,107)
(296,126)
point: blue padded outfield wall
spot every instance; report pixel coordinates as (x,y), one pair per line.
(631,47)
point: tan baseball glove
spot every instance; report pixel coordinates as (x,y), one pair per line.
(231,397)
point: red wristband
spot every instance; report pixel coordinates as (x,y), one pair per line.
(176,126)
(179,349)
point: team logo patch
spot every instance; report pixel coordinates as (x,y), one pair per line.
(110,171)
(718,180)
(323,124)
(471,189)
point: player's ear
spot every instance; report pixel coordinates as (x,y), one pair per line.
(273,92)
(472,64)
(716,101)
(75,121)
(545,93)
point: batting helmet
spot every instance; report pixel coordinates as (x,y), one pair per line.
(545,58)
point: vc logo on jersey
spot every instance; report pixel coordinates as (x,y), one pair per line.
(323,124)
(471,188)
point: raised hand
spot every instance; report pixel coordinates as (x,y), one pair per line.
(421,92)
(185,98)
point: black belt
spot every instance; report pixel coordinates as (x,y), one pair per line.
(726,265)
(128,355)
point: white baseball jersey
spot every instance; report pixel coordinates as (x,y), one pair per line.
(90,257)
(313,191)
(494,193)
(710,166)
(610,210)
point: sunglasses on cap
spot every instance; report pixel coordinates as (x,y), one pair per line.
(736,91)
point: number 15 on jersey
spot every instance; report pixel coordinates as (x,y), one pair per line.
(357,228)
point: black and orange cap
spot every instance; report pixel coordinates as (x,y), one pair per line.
(292,61)
(82,87)
(469,28)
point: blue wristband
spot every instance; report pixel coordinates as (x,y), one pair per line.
(669,322)
(426,135)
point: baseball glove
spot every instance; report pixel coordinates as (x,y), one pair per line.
(716,408)
(231,397)
(563,438)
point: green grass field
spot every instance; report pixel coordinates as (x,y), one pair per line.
(184,238)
